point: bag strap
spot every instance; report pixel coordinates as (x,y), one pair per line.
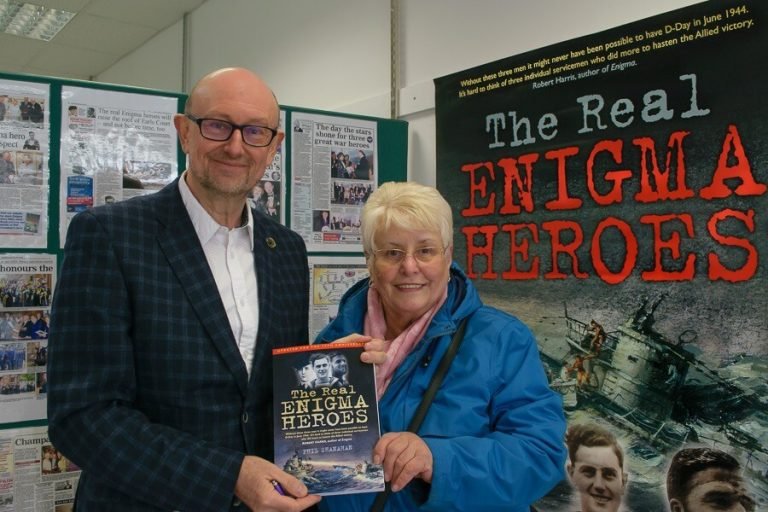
(426,400)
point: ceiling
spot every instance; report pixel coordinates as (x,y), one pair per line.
(99,35)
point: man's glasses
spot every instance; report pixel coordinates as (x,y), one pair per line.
(397,256)
(220,130)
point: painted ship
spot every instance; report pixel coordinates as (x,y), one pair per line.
(659,393)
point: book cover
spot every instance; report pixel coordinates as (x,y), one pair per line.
(326,418)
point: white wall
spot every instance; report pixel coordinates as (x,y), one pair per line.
(335,54)
(156,65)
(315,54)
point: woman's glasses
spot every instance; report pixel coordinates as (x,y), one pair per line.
(397,256)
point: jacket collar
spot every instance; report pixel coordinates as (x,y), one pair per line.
(180,243)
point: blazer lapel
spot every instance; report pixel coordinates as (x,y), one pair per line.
(181,246)
(264,255)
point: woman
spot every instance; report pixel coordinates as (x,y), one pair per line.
(13,113)
(493,437)
(349,167)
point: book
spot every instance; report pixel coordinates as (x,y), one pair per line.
(326,418)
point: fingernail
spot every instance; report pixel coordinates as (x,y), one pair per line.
(376,459)
(395,488)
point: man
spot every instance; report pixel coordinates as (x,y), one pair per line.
(363,168)
(25,108)
(582,375)
(164,318)
(36,112)
(7,168)
(25,327)
(596,467)
(7,328)
(321,364)
(333,164)
(305,375)
(598,337)
(340,368)
(32,143)
(706,480)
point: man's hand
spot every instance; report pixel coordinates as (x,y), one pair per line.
(405,456)
(254,488)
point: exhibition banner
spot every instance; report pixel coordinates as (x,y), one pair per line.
(612,192)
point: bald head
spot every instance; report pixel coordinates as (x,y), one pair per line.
(222,167)
(236,84)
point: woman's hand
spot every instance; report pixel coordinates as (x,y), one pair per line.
(375,349)
(405,456)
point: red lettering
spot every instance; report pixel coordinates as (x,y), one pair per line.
(741,170)
(672,244)
(616,176)
(521,249)
(563,201)
(479,184)
(630,255)
(649,166)
(555,228)
(718,271)
(486,250)
(523,185)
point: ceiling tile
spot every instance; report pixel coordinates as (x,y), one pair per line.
(65,5)
(70,62)
(149,13)
(105,35)
(101,33)
(18,50)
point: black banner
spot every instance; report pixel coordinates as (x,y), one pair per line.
(612,192)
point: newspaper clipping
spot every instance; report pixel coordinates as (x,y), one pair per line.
(26,285)
(334,172)
(329,279)
(34,475)
(24,150)
(268,194)
(114,146)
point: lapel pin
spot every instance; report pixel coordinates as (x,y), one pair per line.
(271,242)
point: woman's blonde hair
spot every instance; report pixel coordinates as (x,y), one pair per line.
(405,205)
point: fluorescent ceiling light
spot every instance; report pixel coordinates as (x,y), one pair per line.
(30,20)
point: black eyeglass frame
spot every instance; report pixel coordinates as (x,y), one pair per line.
(199,122)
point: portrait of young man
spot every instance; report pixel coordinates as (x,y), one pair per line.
(596,467)
(707,480)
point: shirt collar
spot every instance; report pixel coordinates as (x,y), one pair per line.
(205,225)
